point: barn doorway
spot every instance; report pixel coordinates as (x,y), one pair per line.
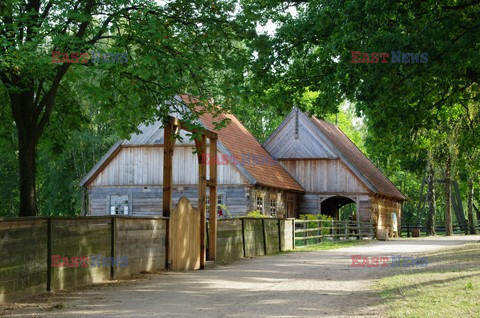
(339,207)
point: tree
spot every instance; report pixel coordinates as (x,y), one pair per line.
(172,48)
(431,202)
(316,48)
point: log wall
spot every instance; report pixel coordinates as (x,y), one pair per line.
(147,201)
(382,213)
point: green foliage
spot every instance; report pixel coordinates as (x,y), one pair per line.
(255,214)
(225,210)
(173,47)
(325,222)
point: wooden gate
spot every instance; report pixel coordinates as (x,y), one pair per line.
(184,237)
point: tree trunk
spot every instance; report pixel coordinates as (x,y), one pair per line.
(471,225)
(28,196)
(431,202)
(448,198)
(25,120)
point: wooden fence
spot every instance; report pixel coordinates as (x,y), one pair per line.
(250,237)
(407,229)
(31,249)
(314,231)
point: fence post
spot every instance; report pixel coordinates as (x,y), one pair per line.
(305,234)
(243,237)
(113,240)
(49,254)
(279,235)
(333,230)
(264,236)
(293,233)
(359,226)
(167,244)
(347,231)
(319,222)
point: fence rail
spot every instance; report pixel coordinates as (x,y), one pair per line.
(309,232)
(407,229)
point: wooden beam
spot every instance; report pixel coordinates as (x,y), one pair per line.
(212,184)
(169,142)
(202,191)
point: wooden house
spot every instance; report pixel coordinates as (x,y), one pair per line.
(128,179)
(333,171)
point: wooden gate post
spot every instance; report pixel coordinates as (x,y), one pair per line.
(212,185)
(169,143)
(202,194)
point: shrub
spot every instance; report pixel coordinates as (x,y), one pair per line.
(255,214)
(326,222)
(225,210)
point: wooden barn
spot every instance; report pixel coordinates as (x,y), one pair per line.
(128,179)
(333,171)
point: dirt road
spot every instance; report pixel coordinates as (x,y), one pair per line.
(307,284)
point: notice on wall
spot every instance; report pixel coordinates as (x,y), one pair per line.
(394,222)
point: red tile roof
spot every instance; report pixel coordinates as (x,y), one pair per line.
(356,157)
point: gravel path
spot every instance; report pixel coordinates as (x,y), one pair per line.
(307,284)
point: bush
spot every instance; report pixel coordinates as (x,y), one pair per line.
(226,211)
(255,214)
(326,222)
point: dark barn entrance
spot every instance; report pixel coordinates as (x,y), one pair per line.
(333,205)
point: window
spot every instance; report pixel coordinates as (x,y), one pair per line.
(220,212)
(273,206)
(119,204)
(260,203)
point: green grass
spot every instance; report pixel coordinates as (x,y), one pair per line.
(448,287)
(329,245)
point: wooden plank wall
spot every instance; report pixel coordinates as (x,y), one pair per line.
(229,240)
(319,175)
(143,166)
(382,213)
(82,238)
(254,237)
(365,208)
(23,252)
(250,236)
(303,142)
(143,243)
(27,246)
(272,235)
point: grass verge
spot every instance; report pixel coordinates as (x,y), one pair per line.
(329,245)
(448,287)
